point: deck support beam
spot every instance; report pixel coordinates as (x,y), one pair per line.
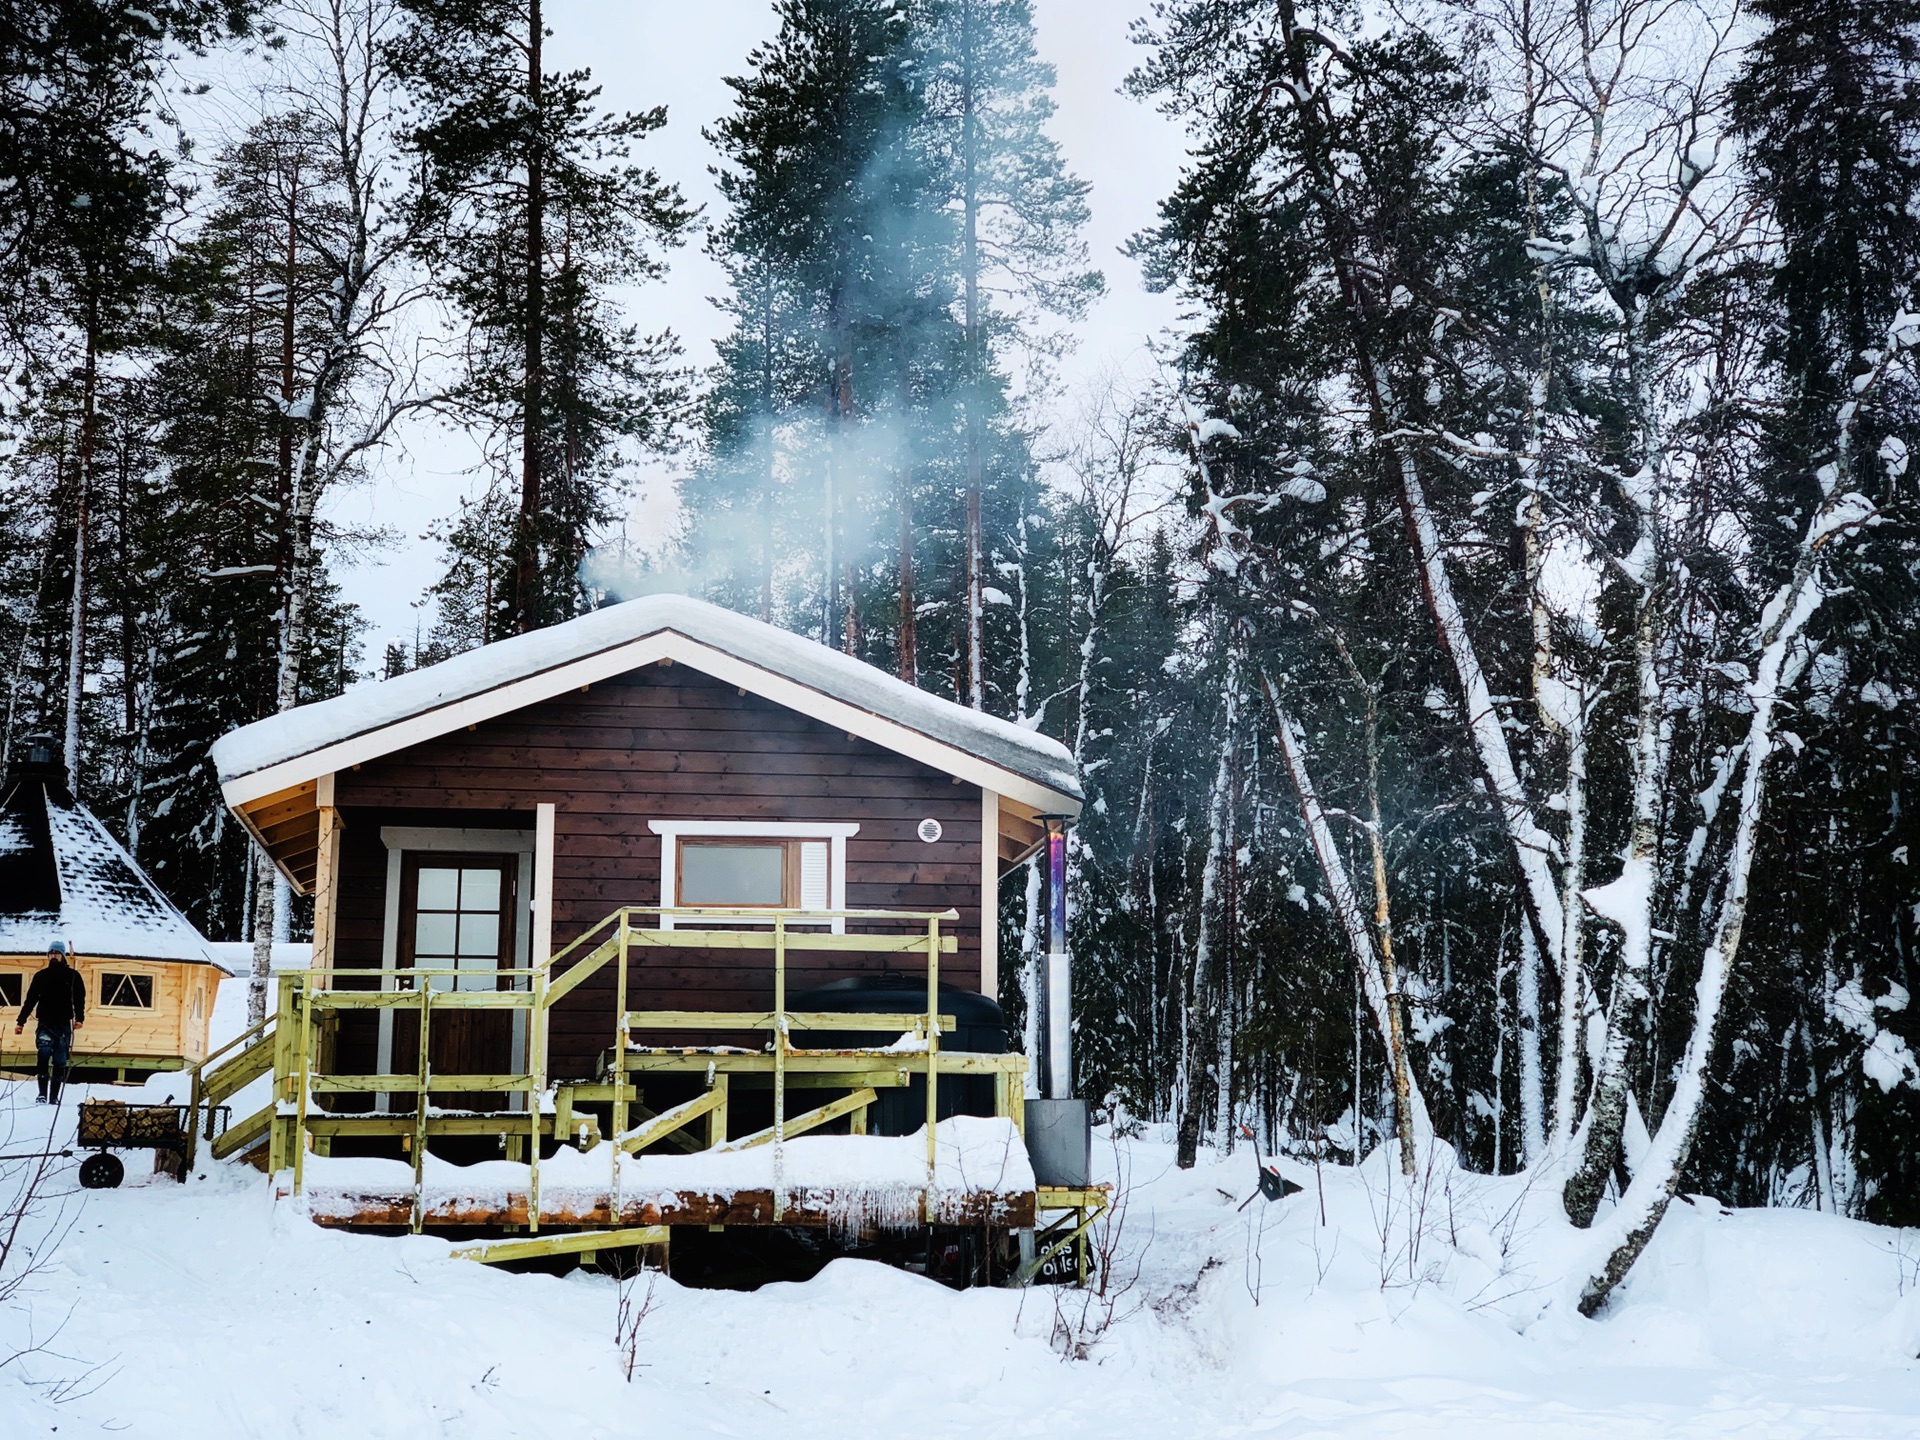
(650,1132)
(826,1114)
(584,1243)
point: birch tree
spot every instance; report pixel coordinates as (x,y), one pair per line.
(325,178)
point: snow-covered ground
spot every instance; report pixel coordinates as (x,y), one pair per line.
(206,1310)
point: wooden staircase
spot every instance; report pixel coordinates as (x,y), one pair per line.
(222,1075)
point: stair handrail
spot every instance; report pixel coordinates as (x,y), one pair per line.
(197,1076)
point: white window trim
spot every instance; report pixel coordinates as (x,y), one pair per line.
(671,832)
(401,839)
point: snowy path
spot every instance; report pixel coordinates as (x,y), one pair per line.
(203,1310)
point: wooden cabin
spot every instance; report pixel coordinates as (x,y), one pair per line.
(466,828)
(150,977)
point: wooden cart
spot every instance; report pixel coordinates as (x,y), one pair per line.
(109,1125)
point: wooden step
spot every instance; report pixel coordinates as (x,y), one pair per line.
(237,1139)
(233,1076)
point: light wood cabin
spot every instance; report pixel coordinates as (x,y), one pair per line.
(150,978)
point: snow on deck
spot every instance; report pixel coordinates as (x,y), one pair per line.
(847,1180)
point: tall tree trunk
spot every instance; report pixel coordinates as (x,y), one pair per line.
(771,456)
(1023,679)
(976,357)
(1383,937)
(1628,903)
(265,873)
(77,619)
(1226,992)
(1573,948)
(839,416)
(1526,992)
(129,625)
(1206,991)
(272,922)
(1561,705)
(1825,1199)
(527,535)
(1413,1118)
(909,623)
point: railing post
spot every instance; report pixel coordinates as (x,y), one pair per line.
(194,1097)
(717,1117)
(779,1065)
(621,1037)
(282,1072)
(537,1069)
(933,1051)
(305,1082)
(424,984)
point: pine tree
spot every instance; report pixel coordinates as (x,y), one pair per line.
(898,225)
(1020,215)
(1828,112)
(79,87)
(533,209)
(838,369)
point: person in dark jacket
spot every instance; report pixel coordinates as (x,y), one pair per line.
(58,998)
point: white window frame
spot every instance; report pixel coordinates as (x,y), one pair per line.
(402,840)
(836,834)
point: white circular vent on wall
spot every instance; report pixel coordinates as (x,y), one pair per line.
(929,830)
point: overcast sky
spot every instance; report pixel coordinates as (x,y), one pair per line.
(676,53)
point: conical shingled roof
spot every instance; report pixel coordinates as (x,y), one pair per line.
(63,877)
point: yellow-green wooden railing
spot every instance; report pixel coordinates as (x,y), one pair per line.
(305,1007)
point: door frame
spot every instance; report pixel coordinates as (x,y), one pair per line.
(404,840)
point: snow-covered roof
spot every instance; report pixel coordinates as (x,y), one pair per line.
(63,877)
(301,744)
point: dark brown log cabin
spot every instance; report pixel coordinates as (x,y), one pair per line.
(483,812)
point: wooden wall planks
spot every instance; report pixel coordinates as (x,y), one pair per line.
(662,744)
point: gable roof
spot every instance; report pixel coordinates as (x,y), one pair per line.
(63,877)
(299,746)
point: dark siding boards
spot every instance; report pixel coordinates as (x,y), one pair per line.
(657,744)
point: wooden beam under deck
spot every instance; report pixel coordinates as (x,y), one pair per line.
(809,1209)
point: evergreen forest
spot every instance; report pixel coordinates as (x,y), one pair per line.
(1489,629)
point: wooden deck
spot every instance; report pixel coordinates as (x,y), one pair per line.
(615,1165)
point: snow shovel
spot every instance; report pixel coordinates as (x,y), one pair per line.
(1273,1184)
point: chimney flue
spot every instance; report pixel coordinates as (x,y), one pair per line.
(38,758)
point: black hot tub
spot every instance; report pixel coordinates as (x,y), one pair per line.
(980,1027)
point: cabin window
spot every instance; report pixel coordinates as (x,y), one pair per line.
(754,874)
(13,990)
(120,991)
(461,920)
(747,865)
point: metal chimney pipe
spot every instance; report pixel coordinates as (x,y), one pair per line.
(1057,1080)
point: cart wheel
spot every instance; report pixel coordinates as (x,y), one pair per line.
(102,1172)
